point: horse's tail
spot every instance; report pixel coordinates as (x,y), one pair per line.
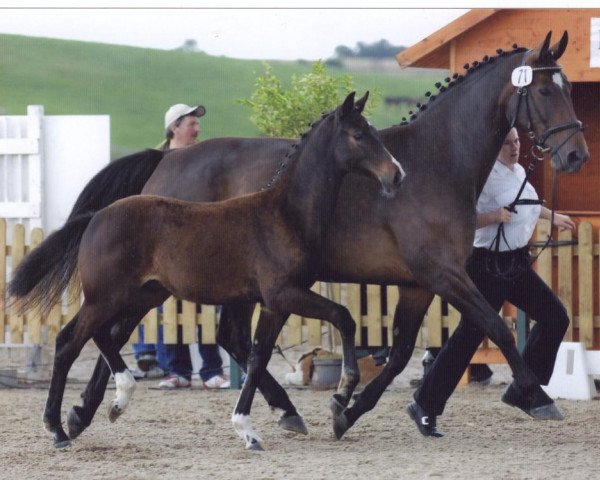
(46,271)
(43,275)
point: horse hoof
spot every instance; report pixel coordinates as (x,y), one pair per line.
(337,407)
(62,444)
(74,423)
(340,421)
(60,438)
(255,446)
(340,425)
(546,412)
(114,412)
(293,423)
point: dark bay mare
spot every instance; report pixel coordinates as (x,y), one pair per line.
(266,247)
(419,241)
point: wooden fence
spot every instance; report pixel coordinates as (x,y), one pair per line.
(572,271)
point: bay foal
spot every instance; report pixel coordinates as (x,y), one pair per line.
(266,247)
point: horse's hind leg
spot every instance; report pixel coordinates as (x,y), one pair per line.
(80,417)
(124,380)
(234,335)
(69,343)
(407,321)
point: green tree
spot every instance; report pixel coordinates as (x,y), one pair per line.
(280,112)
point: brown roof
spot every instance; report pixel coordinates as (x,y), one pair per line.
(433,51)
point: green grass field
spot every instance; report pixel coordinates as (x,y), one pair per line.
(136,85)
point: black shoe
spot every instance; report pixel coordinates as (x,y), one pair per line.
(425,423)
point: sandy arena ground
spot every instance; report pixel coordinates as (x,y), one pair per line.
(188,434)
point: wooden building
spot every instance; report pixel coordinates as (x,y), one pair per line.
(482,31)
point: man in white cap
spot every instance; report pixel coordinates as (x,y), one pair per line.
(182,126)
(181,130)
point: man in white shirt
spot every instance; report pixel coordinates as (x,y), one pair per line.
(500,267)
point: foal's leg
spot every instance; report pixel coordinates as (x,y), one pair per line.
(69,343)
(80,417)
(407,321)
(309,304)
(268,327)
(234,335)
(124,380)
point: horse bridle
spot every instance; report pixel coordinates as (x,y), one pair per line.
(538,149)
(539,143)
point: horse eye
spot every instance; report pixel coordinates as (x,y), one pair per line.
(357,136)
(544,91)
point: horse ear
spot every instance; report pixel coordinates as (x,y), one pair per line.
(360,104)
(558,49)
(348,105)
(541,53)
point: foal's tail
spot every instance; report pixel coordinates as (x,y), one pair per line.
(46,272)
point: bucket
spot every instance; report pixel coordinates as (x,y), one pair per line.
(327,373)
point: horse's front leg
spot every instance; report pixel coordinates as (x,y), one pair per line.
(269,325)
(309,304)
(234,335)
(408,318)
(455,286)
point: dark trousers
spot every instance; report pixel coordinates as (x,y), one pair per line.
(527,292)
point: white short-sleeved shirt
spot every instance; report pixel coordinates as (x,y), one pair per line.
(500,190)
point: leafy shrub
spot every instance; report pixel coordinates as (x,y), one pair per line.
(280,112)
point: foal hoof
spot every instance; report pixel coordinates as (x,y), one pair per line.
(340,421)
(293,423)
(74,423)
(60,438)
(254,445)
(114,412)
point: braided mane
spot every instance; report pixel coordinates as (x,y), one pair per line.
(297,148)
(456,78)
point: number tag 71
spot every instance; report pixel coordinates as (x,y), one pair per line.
(522,76)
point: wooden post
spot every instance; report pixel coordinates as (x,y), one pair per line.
(189,324)
(373,317)
(169,320)
(33,318)
(565,279)
(586,292)
(17,252)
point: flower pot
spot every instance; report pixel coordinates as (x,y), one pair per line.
(327,373)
